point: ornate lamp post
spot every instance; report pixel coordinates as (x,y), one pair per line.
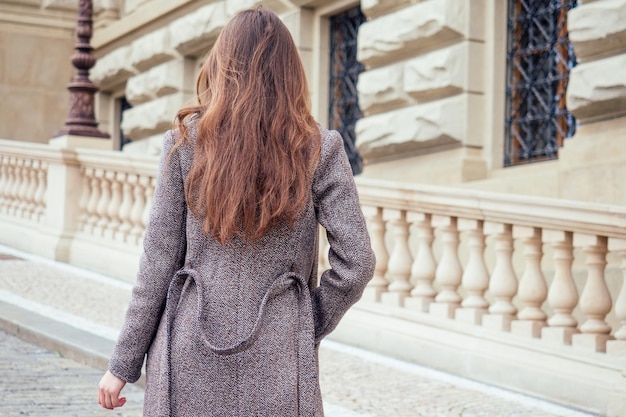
(81,120)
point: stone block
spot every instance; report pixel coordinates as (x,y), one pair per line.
(194,33)
(374,8)
(591,342)
(153,117)
(395,299)
(382,89)
(470,315)
(113,68)
(168,78)
(558,335)
(151,49)
(444,310)
(59,4)
(412,129)
(232,7)
(527,328)
(597,90)
(418,27)
(593,39)
(417,304)
(500,322)
(443,72)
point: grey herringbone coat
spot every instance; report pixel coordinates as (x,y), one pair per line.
(230,331)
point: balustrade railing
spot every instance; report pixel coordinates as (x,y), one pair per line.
(23,182)
(431,245)
(116,195)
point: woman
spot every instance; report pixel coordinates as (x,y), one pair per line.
(226,304)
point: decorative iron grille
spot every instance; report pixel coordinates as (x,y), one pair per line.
(344,108)
(539,59)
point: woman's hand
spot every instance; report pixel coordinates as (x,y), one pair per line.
(109,390)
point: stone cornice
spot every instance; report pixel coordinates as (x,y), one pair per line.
(150,14)
(33,17)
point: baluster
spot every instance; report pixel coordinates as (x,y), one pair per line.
(125,208)
(4,183)
(503,282)
(562,294)
(32,189)
(92,206)
(22,194)
(103,204)
(148,186)
(137,211)
(424,265)
(449,270)
(84,200)
(377,228)
(17,181)
(532,286)
(475,280)
(113,210)
(400,261)
(12,185)
(618,346)
(595,299)
(40,193)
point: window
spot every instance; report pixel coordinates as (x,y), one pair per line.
(539,59)
(344,108)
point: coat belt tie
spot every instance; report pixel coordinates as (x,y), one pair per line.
(307,363)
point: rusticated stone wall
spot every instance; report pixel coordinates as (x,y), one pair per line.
(423,90)
(593,162)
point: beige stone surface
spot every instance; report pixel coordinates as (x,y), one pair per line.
(374,8)
(405,32)
(597,28)
(445,71)
(442,167)
(422,127)
(113,68)
(152,117)
(194,33)
(168,78)
(34,72)
(381,89)
(597,90)
(151,49)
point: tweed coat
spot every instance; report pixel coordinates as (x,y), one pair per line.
(232,330)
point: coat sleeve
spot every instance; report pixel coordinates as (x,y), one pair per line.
(164,248)
(351,257)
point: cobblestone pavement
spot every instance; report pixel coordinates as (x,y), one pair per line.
(39,383)
(355,383)
(35,382)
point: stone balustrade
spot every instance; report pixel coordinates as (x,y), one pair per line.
(515,290)
(465,280)
(23,183)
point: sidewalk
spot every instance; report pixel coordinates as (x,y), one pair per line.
(60,308)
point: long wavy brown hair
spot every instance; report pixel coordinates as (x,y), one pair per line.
(257,143)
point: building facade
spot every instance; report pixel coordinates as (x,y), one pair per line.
(459,117)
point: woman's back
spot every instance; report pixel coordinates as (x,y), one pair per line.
(227,304)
